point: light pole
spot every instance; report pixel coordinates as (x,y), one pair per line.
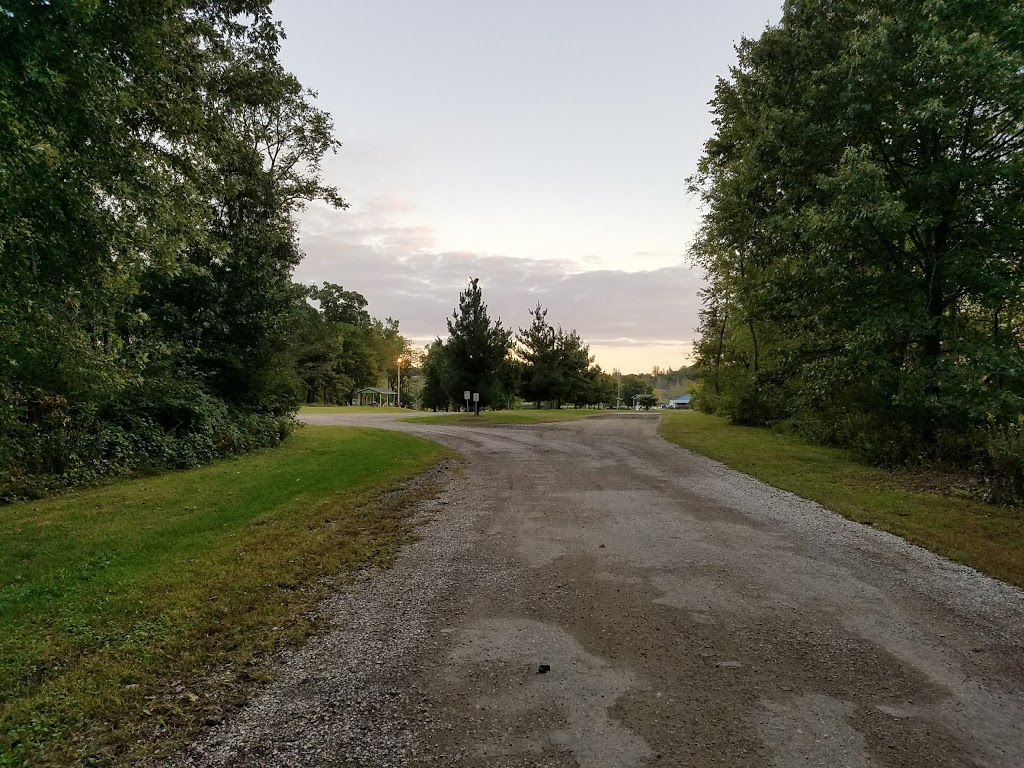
(399,398)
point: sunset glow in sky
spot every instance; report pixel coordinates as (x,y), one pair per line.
(540,146)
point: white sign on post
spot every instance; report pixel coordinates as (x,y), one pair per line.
(476,397)
(465,395)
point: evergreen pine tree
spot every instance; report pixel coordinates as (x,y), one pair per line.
(477,352)
(574,361)
(537,348)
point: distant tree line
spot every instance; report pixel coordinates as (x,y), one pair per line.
(338,348)
(864,192)
(152,160)
(541,364)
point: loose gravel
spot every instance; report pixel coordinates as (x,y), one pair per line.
(686,614)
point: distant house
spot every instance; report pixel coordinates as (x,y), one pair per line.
(375,396)
(682,402)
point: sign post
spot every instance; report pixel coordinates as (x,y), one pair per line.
(476,402)
(465,394)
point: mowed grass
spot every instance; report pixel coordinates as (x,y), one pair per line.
(308,409)
(983,536)
(130,614)
(525,416)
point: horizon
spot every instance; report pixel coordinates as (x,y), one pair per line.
(548,159)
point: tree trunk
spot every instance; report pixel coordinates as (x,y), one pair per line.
(718,354)
(753,339)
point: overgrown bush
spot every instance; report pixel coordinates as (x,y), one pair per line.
(1002,461)
(49,444)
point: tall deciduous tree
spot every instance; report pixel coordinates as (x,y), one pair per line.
(432,393)
(152,159)
(864,202)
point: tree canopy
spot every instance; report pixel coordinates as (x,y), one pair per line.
(555,365)
(477,352)
(152,161)
(864,203)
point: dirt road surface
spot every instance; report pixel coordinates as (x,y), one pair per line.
(689,616)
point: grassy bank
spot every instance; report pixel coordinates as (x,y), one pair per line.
(983,536)
(132,611)
(525,416)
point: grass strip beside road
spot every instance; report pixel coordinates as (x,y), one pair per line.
(130,614)
(983,536)
(525,416)
(306,410)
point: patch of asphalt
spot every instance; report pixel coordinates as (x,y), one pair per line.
(684,614)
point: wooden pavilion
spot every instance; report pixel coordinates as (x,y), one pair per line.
(376,396)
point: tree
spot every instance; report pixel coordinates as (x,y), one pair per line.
(554,364)
(862,232)
(647,402)
(574,363)
(634,385)
(340,306)
(601,388)
(148,235)
(338,348)
(432,394)
(537,349)
(477,352)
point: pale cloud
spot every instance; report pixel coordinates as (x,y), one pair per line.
(632,319)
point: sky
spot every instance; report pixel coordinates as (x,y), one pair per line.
(542,147)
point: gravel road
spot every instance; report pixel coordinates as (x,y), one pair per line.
(689,616)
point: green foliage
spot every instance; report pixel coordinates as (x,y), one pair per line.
(647,402)
(433,394)
(340,306)
(541,378)
(863,194)
(966,530)
(338,348)
(116,600)
(51,444)
(152,160)
(1003,462)
(556,366)
(476,354)
(635,386)
(600,388)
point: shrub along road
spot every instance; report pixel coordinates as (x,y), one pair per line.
(589,594)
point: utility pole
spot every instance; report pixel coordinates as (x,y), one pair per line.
(618,396)
(399,398)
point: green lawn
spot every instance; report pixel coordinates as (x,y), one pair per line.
(983,536)
(132,611)
(525,416)
(308,409)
